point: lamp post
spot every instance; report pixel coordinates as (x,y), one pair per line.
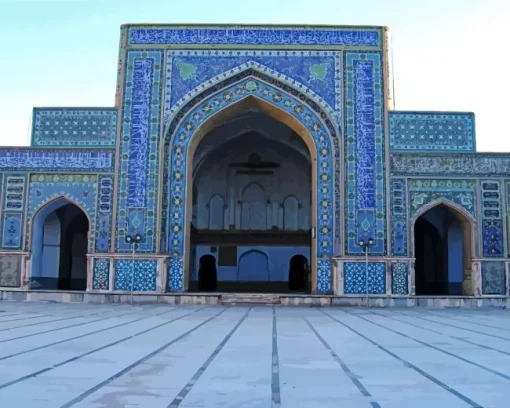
(133,241)
(365,246)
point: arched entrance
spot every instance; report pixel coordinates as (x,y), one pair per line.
(207,274)
(59,242)
(298,274)
(443,251)
(203,114)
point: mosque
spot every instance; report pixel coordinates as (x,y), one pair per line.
(254,159)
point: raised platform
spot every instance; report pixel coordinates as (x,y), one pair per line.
(253,299)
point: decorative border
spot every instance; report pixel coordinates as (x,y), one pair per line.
(138,183)
(101,271)
(365,198)
(492,219)
(255,35)
(396,116)
(72,160)
(333,111)
(192,115)
(39,114)
(398,217)
(450,165)
(104,213)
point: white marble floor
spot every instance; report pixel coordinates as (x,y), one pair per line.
(76,355)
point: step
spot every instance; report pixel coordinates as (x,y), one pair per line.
(250,298)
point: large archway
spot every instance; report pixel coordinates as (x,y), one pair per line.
(443,245)
(59,245)
(251,203)
(195,121)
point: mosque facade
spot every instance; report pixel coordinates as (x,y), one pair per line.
(264,159)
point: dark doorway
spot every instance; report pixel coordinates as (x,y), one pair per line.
(207,275)
(59,247)
(442,243)
(298,274)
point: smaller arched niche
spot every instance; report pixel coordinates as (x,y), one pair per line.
(59,246)
(298,274)
(254,208)
(291,213)
(253,267)
(442,248)
(207,274)
(216,209)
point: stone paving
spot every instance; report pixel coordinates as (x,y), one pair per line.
(78,355)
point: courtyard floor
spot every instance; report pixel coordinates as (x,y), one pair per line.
(78,355)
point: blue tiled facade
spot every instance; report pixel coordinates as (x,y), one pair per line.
(377,170)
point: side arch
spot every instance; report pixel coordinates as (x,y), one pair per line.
(192,123)
(468,230)
(37,230)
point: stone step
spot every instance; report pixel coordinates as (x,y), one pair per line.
(249,298)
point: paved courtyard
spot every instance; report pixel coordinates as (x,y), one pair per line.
(76,355)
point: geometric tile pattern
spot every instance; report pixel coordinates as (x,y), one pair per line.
(399,272)
(74,127)
(364,152)
(355,277)
(431,131)
(81,189)
(206,109)
(139,147)
(398,217)
(254,35)
(145,272)
(319,71)
(72,160)
(453,165)
(493,278)
(423,192)
(101,270)
(104,213)
(492,221)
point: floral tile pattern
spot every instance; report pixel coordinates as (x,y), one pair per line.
(101,274)
(145,275)
(399,280)
(355,278)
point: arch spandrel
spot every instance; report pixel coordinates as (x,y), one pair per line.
(200,116)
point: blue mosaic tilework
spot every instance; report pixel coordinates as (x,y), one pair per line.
(224,95)
(254,35)
(139,145)
(74,127)
(101,279)
(12,230)
(75,160)
(79,189)
(432,131)
(364,152)
(426,192)
(398,217)
(355,278)
(15,189)
(324,276)
(493,278)
(145,275)
(492,238)
(399,278)
(318,71)
(104,213)
(492,219)
(460,164)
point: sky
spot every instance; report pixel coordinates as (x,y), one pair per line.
(448,55)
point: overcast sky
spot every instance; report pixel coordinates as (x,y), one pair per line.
(451,55)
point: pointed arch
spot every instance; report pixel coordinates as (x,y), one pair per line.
(214,106)
(453,248)
(50,246)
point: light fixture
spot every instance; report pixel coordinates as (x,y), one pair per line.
(129,239)
(361,243)
(370,241)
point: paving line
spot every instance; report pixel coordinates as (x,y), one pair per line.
(85,335)
(465,360)
(114,343)
(189,386)
(353,377)
(408,364)
(276,399)
(119,374)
